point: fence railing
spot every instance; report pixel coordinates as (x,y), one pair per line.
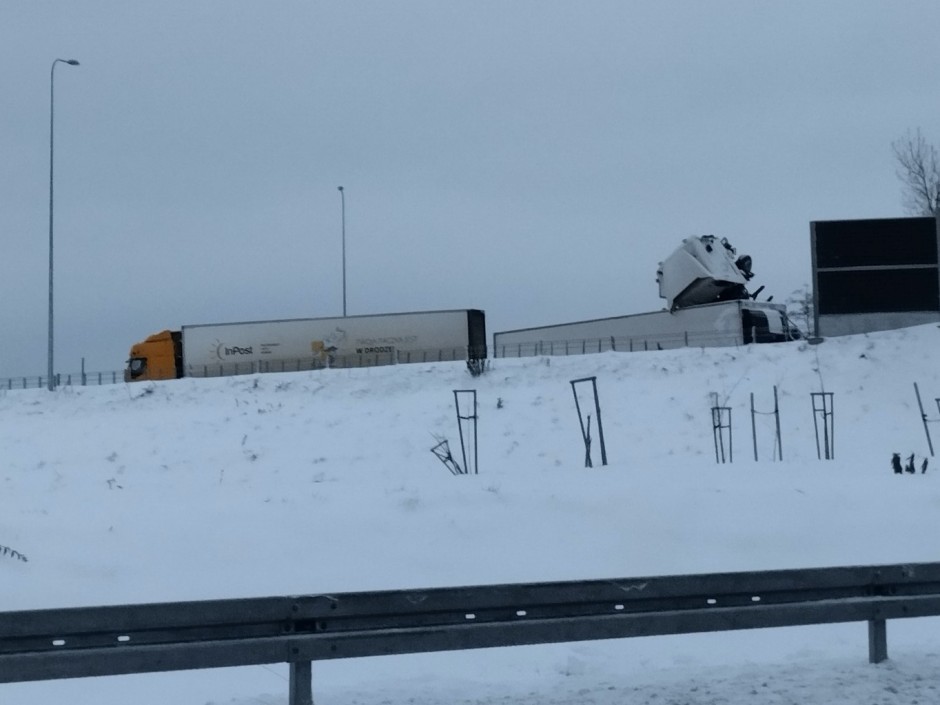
(329,361)
(583,346)
(99,641)
(77,379)
(225,369)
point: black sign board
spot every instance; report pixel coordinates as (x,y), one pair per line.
(870,266)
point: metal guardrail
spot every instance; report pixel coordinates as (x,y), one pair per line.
(98,641)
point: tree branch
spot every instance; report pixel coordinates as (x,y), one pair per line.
(919,171)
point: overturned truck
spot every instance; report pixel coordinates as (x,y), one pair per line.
(704,282)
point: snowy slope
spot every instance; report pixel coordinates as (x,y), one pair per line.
(312,482)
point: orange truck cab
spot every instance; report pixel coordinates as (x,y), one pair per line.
(158,357)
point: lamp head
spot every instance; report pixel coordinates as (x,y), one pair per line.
(72,62)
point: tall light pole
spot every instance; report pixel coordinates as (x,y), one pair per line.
(342,196)
(71,62)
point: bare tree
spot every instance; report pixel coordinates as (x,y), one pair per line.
(918,168)
(801,311)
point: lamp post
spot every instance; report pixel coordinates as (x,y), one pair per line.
(71,62)
(342,196)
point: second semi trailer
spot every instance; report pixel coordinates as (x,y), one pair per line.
(221,349)
(717,324)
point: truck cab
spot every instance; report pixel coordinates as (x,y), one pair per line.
(160,356)
(703,270)
(767,323)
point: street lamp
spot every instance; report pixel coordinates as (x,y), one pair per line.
(70,62)
(342,195)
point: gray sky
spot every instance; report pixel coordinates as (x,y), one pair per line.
(535,159)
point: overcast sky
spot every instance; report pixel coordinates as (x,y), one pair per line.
(535,158)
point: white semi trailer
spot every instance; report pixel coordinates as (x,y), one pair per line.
(222,349)
(723,323)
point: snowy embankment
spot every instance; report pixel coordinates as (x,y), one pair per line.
(313,482)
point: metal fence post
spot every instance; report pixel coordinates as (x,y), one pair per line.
(472,418)
(822,407)
(924,418)
(586,433)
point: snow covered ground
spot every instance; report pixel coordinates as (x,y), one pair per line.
(324,481)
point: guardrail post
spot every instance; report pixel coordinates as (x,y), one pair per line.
(877,640)
(301,683)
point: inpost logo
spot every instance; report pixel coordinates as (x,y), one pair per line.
(223,351)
